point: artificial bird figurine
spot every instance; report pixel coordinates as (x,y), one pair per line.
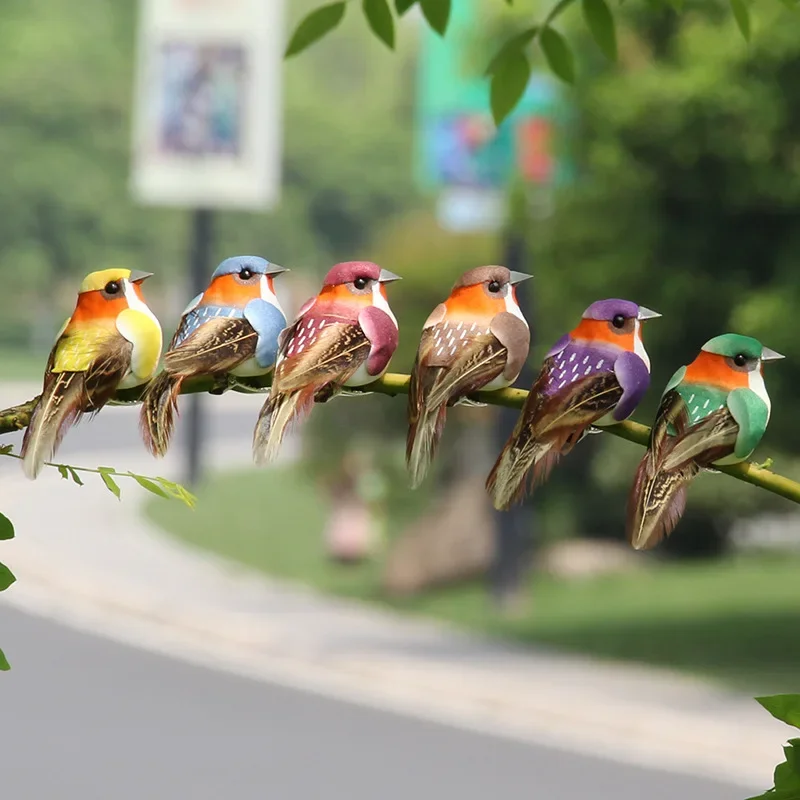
(112,341)
(230,329)
(713,411)
(595,375)
(476,339)
(343,337)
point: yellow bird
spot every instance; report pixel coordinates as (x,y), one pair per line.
(112,341)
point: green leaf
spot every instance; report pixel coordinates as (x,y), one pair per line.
(785,707)
(110,483)
(75,477)
(6,577)
(558,55)
(437,12)
(401,6)
(313,27)
(178,492)
(379,17)
(509,81)
(62,471)
(514,45)
(6,528)
(6,450)
(600,21)
(4,665)
(151,486)
(741,14)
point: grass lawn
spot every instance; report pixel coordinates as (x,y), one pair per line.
(737,620)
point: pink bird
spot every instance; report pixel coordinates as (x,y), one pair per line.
(343,337)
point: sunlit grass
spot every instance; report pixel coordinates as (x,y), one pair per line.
(737,620)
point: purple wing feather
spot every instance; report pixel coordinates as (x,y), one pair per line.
(634,378)
(559,346)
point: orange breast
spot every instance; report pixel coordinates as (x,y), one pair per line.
(711,369)
(471,303)
(341,294)
(598,330)
(227,291)
(93,308)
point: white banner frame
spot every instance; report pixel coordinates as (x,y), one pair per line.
(207,115)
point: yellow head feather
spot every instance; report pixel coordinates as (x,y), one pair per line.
(97,280)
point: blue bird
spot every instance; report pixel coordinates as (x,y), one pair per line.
(231,328)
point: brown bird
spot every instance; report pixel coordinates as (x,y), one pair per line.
(476,339)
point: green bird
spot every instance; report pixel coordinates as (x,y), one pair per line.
(713,411)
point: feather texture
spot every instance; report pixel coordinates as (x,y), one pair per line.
(213,348)
(550,425)
(317,362)
(677,453)
(66,396)
(479,360)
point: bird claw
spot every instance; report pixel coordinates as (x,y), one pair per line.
(470,402)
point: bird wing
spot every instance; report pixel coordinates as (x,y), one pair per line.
(143,331)
(315,352)
(577,405)
(449,367)
(514,334)
(218,345)
(712,438)
(634,378)
(268,320)
(752,415)
(76,349)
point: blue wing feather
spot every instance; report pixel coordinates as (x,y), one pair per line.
(268,321)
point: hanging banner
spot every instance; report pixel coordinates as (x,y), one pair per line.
(207,117)
(459,153)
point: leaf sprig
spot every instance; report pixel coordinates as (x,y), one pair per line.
(510,68)
(159,486)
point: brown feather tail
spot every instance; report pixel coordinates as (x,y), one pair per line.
(506,483)
(656,502)
(424,434)
(58,409)
(277,414)
(159,409)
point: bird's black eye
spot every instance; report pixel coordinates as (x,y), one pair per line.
(740,359)
(494,287)
(618,321)
(245,273)
(360,283)
(113,287)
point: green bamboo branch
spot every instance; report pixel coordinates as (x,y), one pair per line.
(18,417)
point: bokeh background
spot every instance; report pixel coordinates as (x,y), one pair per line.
(685,198)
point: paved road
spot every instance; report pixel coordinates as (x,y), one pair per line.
(88,719)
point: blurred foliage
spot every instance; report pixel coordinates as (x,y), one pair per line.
(687,204)
(529,33)
(66,80)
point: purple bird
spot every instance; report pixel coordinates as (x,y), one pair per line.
(595,375)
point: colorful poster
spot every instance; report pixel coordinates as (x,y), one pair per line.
(207,113)
(457,144)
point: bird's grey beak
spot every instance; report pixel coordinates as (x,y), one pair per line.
(137,275)
(770,355)
(388,277)
(646,313)
(518,277)
(274,269)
